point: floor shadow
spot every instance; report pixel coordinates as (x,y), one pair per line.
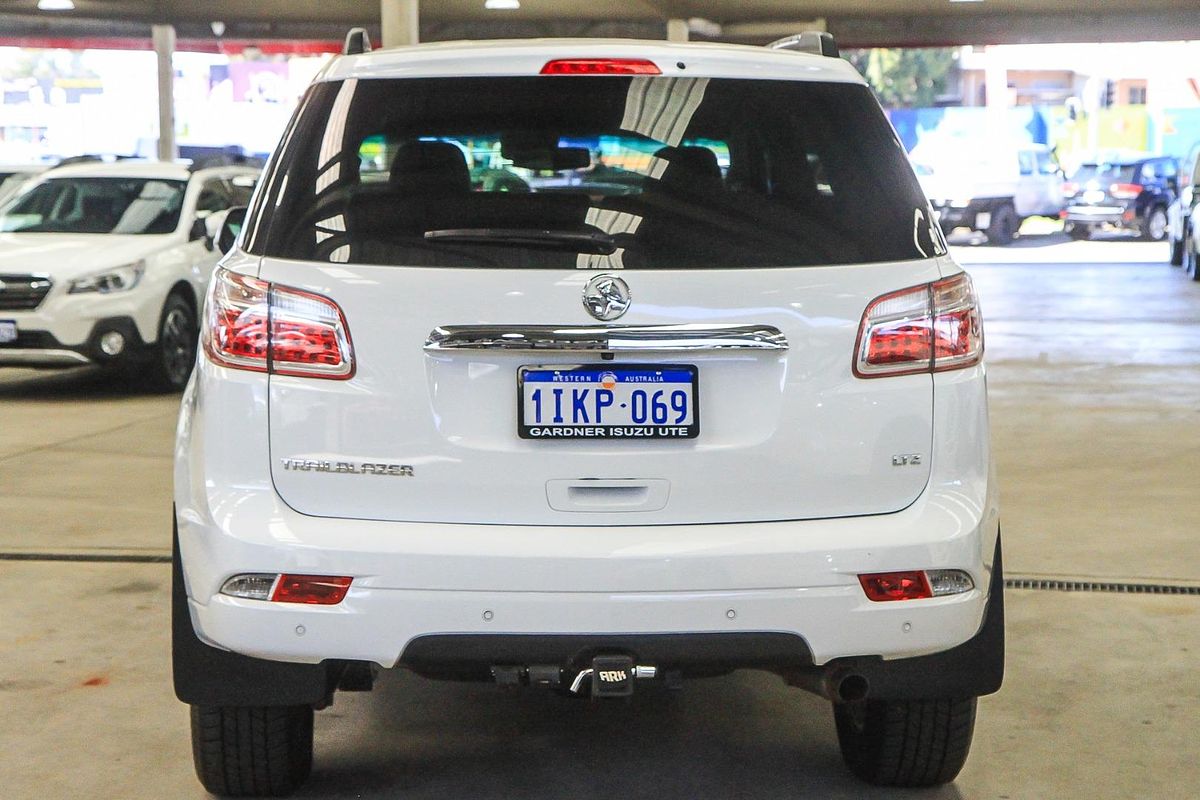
(1025,240)
(81,383)
(746,736)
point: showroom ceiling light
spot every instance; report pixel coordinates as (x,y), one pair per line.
(56,5)
(502,5)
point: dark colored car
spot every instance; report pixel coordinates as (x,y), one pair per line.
(1128,195)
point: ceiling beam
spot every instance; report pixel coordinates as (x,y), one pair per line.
(850,31)
(1016,28)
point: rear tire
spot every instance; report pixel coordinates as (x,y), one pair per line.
(252,751)
(1005,224)
(1079,232)
(1154,225)
(1192,262)
(905,742)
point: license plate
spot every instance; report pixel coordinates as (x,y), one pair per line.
(8,331)
(1093,196)
(608,402)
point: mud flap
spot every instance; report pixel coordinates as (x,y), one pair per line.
(208,676)
(973,668)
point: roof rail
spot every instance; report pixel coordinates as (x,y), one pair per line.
(818,43)
(357,42)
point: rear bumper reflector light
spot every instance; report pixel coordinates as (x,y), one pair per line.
(883,587)
(321,590)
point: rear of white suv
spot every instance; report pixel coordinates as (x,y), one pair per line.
(572,364)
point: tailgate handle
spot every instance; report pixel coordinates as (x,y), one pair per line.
(583,495)
(641,338)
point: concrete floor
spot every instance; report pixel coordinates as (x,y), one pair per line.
(1095,383)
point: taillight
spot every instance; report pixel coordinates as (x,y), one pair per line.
(1125,191)
(1070,189)
(265,327)
(601,66)
(928,328)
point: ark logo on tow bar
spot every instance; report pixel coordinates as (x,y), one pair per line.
(348,467)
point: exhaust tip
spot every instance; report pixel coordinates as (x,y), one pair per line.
(853,688)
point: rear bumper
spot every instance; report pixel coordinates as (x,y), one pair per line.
(382,625)
(1117,216)
(40,348)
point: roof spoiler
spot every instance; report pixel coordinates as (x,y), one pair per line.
(817,43)
(357,42)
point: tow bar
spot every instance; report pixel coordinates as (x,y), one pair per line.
(612,676)
(608,676)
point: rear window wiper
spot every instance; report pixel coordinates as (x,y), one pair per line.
(595,241)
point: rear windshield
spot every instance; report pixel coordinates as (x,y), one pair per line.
(1113,173)
(595,172)
(96,205)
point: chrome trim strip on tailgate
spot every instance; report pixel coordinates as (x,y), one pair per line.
(640,338)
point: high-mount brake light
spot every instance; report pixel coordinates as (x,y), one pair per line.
(601,66)
(1125,191)
(307,334)
(929,328)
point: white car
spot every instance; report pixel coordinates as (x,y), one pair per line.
(684,416)
(107,264)
(988,186)
(1191,246)
(1179,212)
(14,176)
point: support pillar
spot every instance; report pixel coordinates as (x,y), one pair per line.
(996,80)
(677,30)
(399,22)
(164,49)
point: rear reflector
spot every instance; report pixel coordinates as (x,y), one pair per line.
(307,333)
(601,66)
(885,586)
(319,590)
(928,328)
(915,584)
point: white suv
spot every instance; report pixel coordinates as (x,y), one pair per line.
(658,406)
(107,264)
